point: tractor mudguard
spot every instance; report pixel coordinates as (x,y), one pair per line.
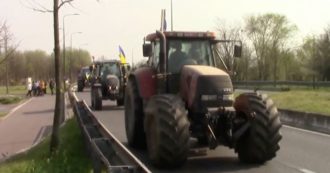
(146,81)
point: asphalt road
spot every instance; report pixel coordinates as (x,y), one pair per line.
(301,151)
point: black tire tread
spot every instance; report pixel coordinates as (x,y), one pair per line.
(170,115)
(261,142)
(98,99)
(137,139)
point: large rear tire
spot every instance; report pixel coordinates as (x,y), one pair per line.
(167,131)
(261,141)
(134,116)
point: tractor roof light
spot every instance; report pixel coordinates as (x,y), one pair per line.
(183,34)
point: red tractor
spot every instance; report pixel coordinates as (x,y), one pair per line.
(181,96)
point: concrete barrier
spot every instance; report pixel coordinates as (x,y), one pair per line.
(305,120)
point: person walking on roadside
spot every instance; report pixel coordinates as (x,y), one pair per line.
(34,88)
(29,88)
(38,87)
(45,89)
(42,87)
(51,86)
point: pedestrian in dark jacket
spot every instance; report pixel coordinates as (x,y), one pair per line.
(51,86)
(34,88)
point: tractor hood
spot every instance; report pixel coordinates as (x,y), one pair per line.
(205,86)
(112,81)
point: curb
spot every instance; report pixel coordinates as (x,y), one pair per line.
(25,150)
(16,108)
(305,120)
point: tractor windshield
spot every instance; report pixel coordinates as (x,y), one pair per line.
(85,71)
(110,68)
(188,52)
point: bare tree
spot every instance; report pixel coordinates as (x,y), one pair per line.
(5,37)
(268,34)
(227,48)
(59,107)
(59,101)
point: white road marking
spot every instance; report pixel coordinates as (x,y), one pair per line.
(16,108)
(306,170)
(307,131)
(302,170)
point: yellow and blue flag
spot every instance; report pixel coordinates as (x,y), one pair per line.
(122,56)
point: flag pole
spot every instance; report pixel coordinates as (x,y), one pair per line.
(171,16)
(132,58)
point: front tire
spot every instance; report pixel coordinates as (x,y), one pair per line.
(261,142)
(167,131)
(80,86)
(134,116)
(97,99)
(120,102)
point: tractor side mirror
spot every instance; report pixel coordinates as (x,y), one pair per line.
(147,50)
(237,51)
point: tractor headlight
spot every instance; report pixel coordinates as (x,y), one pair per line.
(228,97)
(113,87)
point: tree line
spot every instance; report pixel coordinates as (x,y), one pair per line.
(269,52)
(38,64)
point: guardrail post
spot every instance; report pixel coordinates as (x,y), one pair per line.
(96,163)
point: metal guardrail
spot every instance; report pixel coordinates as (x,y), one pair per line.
(105,150)
(288,83)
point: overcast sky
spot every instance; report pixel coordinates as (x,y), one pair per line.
(109,23)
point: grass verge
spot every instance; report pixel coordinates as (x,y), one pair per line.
(2,114)
(16,90)
(317,101)
(71,156)
(10,99)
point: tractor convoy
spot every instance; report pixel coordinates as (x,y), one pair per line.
(181,96)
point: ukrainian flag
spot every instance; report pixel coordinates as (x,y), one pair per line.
(122,56)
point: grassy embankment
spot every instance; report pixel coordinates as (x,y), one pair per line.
(317,101)
(302,99)
(71,156)
(16,94)
(13,90)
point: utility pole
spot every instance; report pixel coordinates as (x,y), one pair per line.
(71,53)
(132,58)
(64,41)
(6,51)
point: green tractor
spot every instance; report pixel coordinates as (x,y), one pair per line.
(83,78)
(181,96)
(108,81)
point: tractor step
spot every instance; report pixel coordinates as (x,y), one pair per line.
(194,152)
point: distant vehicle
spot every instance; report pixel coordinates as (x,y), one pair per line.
(108,81)
(83,78)
(181,94)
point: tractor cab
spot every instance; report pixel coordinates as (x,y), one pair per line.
(182,49)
